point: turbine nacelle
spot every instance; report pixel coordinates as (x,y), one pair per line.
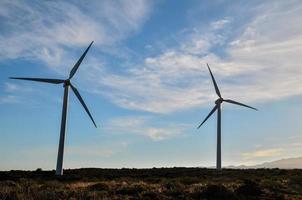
(67,82)
(219,101)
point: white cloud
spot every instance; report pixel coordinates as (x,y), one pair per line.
(143,126)
(265,153)
(106,150)
(220,23)
(270,149)
(46,30)
(12,92)
(174,80)
(13,88)
(9,99)
(10,87)
(261,64)
(271,44)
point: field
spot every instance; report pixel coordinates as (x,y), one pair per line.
(155,183)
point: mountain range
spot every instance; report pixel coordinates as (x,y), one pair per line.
(287,163)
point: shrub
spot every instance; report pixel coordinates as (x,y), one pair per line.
(249,188)
(174,189)
(98,187)
(217,192)
(129,190)
(149,195)
(39,170)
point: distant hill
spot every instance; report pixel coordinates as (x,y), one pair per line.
(288,163)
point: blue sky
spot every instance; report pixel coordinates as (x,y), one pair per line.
(146,83)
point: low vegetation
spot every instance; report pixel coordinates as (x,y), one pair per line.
(156,183)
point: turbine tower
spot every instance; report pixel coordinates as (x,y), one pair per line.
(66,84)
(217,107)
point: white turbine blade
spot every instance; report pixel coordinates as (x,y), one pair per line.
(212,111)
(76,92)
(214,82)
(238,103)
(45,80)
(76,66)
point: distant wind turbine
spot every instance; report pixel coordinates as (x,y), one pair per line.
(66,84)
(217,107)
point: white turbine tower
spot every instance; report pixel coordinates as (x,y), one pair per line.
(217,107)
(66,84)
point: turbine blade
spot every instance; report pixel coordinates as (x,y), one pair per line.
(212,111)
(76,92)
(45,80)
(214,82)
(238,103)
(76,66)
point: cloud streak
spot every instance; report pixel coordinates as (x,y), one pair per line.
(12,93)
(258,65)
(107,150)
(266,153)
(30,33)
(143,126)
(254,65)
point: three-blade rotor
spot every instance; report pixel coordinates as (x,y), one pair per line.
(66,82)
(220,100)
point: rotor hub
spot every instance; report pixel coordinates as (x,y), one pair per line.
(219,101)
(66,82)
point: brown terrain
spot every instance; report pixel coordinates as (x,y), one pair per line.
(155,183)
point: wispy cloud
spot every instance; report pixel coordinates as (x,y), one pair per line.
(30,33)
(140,125)
(265,153)
(13,88)
(9,99)
(271,149)
(12,93)
(258,65)
(105,150)
(220,23)
(254,65)
(174,80)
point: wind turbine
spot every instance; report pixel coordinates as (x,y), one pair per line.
(66,84)
(217,107)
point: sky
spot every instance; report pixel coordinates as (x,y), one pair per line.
(146,83)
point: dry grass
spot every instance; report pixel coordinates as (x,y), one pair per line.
(165,183)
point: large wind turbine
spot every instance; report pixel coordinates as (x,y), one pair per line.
(217,107)
(66,84)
